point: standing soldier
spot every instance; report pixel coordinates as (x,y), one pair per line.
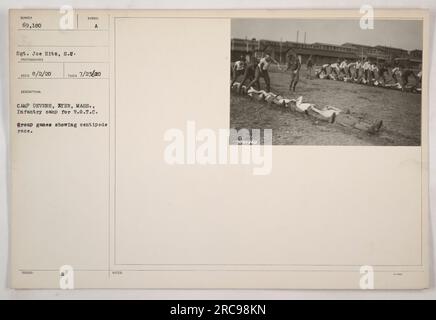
(250,71)
(294,64)
(351,67)
(358,71)
(261,71)
(366,66)
(382,70)
(343,69)
(309,67)
(373,73)
(238,69)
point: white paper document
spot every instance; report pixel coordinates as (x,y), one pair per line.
(219,149)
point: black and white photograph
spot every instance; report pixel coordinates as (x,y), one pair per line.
(327,82)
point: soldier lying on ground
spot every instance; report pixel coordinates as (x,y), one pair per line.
(328,113)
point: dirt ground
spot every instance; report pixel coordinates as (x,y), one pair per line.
(400,112)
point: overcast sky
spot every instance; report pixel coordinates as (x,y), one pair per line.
(405,34)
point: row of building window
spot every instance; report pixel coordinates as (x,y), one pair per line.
(252,45)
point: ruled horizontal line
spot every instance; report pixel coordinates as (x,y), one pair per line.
(83,30)
(63,62)
(58,46)
(218,270)
(63,78)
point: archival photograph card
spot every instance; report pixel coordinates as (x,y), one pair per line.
(250,149)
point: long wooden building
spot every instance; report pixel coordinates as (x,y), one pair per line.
(321,52)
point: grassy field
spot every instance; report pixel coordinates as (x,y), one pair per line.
(400,112)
